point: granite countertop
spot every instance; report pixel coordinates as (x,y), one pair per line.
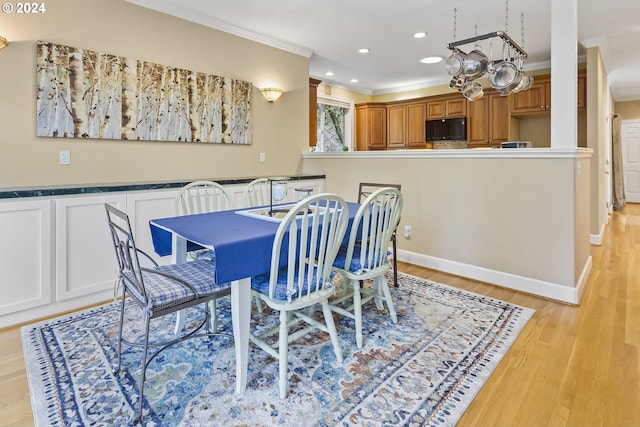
(48,191)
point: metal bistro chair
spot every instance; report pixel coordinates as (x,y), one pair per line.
(309,237)
(195,198)
(366,256)
(157,291)
(364,190)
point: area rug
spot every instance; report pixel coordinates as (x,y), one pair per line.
(424,370)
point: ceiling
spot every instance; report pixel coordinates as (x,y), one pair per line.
(330,32)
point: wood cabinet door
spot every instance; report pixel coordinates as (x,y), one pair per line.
(416,116)
(396,126)
(499,119)
(582,91)
(436,109)
(477,129)
(371,127)
(456,107)
(532,100)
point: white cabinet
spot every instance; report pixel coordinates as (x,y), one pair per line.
(143,206)
(56,254)
(25,255)
(84,253)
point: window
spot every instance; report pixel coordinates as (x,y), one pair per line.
(335,124)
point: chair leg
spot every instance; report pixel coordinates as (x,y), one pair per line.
(357,311)
(143,373)
(120,326)
(283,354)
(259,304)
(395,261)
(387,298)
(179,322)
(213,315)
(331,326)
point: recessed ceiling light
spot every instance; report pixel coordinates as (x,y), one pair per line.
(354,80)
(431,59)
(329,73)
(364,50)
(420,35)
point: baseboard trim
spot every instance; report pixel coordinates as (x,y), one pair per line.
(596,239)
(566,294)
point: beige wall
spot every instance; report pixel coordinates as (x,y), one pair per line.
(628,110)
(508,221)
(280,129)
(597,93)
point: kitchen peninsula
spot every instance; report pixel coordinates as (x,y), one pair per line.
(516,218)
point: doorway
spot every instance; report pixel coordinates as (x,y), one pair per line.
(630,135)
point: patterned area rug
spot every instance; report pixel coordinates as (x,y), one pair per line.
(424,370)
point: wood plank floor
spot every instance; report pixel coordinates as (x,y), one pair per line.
(571,366)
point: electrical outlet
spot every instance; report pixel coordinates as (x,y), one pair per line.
(407,231)
(263,157)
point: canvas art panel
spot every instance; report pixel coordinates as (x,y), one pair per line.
(85,94)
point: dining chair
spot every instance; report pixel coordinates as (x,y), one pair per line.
(364,190)
(157,291)
(304,248)
(257,193)
(195,198)
(366,256)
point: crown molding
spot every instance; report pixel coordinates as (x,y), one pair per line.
(182,11)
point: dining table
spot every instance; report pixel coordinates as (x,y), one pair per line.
(242,243)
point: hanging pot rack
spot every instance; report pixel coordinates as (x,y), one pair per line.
(453,46)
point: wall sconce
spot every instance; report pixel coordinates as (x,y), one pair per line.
(3,42)
(271,93)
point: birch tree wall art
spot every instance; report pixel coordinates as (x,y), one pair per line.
(84,94)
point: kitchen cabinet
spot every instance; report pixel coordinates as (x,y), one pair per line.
(447,106)
(371,126)
(538,98)
(488,121)
(405,125)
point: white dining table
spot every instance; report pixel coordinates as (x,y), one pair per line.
(242,245)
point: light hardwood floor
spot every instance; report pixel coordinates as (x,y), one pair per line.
(570,366)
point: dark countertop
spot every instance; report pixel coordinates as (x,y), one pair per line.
(44,191)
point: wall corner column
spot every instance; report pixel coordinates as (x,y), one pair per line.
(564,73)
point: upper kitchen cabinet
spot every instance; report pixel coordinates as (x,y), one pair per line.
(488,121)
(538,98)
(439,107)
(405,124)
(371,126)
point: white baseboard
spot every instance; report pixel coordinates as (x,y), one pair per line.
(596,239)
(529,285)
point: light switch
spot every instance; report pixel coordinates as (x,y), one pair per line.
(65,157)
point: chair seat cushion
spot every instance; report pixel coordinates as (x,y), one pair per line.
(261,284)
(203,254)
(356,266)
(163,292)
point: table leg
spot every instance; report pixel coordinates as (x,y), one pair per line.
(178,256)
(241,317)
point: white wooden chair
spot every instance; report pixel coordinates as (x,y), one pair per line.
(157,291)
(257,193)
(366,256)
(202,197)
(311,234)
(364,190)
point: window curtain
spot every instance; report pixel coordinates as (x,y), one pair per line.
(619,201)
